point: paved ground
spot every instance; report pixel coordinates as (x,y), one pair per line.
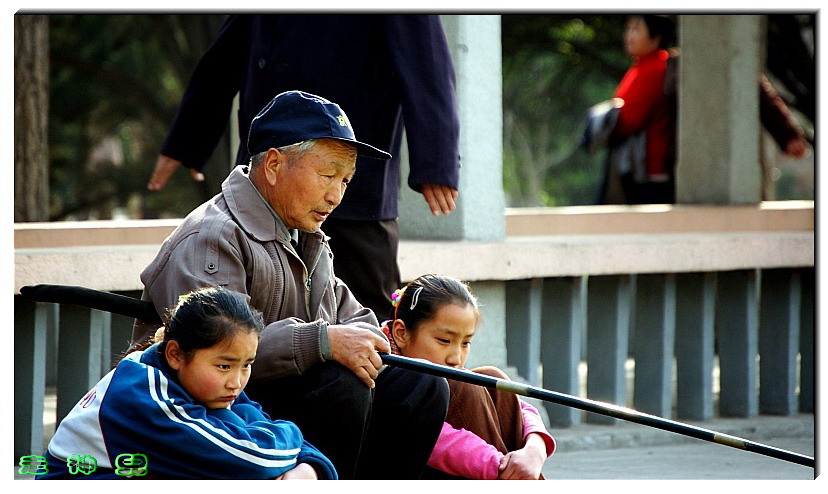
(634,452)
(628,451)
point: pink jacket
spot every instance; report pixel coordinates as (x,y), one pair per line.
(462,453)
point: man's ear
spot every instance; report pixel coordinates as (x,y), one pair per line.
(400,333)
(272,160)
(174,355)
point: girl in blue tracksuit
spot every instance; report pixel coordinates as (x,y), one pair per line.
(177,410)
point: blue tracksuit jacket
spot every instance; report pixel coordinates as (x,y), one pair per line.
(138,420)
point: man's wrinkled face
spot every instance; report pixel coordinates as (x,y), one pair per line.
(307,188)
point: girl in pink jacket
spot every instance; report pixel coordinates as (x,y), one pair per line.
(488,434)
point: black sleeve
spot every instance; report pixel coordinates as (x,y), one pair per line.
(205,107)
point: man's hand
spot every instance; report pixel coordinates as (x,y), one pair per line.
(356,348)
(525,463)
(164,168)
(302,471)
(440,198)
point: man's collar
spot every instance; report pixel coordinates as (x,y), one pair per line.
(252,212)
(249,209)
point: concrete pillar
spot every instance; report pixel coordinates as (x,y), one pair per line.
(695,344)
(609,306)
(474,41)
(524,322)
(489,344)
(79,355)
(655,334)
(779,315)
(30,322)
(563,328)
(737,326)
(807,341)
(718,119)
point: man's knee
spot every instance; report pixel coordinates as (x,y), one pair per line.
(326,386)
(413,393)
(334,383)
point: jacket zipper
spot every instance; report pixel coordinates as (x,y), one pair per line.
(308,276)
(309,279)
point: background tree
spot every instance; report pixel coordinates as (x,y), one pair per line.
(31,97)
(116,84)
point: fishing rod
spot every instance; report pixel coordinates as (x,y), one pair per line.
(598,407)
(144,310)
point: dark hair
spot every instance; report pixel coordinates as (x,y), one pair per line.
(421,298)
(659,25)
(208,316)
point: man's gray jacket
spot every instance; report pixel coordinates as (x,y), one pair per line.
(235,240)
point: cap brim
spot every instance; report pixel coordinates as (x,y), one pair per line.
(363,149)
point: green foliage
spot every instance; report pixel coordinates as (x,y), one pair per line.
(115,83)
(554,68)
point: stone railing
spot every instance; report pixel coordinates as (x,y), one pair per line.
(702,288)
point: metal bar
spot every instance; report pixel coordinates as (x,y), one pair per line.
(615,411)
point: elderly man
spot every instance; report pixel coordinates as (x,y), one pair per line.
(318,363)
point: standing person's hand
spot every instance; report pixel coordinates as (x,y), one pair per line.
(440,198)
(797,147)
(356,348)
(164,168)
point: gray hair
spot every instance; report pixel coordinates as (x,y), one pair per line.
(294,151)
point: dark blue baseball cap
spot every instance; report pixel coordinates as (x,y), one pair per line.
(295,116)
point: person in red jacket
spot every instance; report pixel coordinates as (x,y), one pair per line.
(640,166)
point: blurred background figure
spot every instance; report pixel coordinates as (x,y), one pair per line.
(641,157)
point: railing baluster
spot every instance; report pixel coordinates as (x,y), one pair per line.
(695,316)
(79,355)
(564,323)
(30,328)
(807,342)
(609,300)
(655,331)
(779,341)
(523,319)
(737,325)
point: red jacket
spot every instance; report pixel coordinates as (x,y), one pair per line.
(646,108)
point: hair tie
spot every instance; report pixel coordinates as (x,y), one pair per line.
(396,296)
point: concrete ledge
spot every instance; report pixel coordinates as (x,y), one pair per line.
(661,218)
(773,216)
(117,267)
(110,268)
(575,255)
(88,233)
(547,242)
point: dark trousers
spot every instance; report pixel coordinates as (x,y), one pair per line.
(385,433)
(648,192)
(365,258)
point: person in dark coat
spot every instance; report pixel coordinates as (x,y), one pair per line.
(388,72)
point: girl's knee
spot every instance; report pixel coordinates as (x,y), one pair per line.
(489,370)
